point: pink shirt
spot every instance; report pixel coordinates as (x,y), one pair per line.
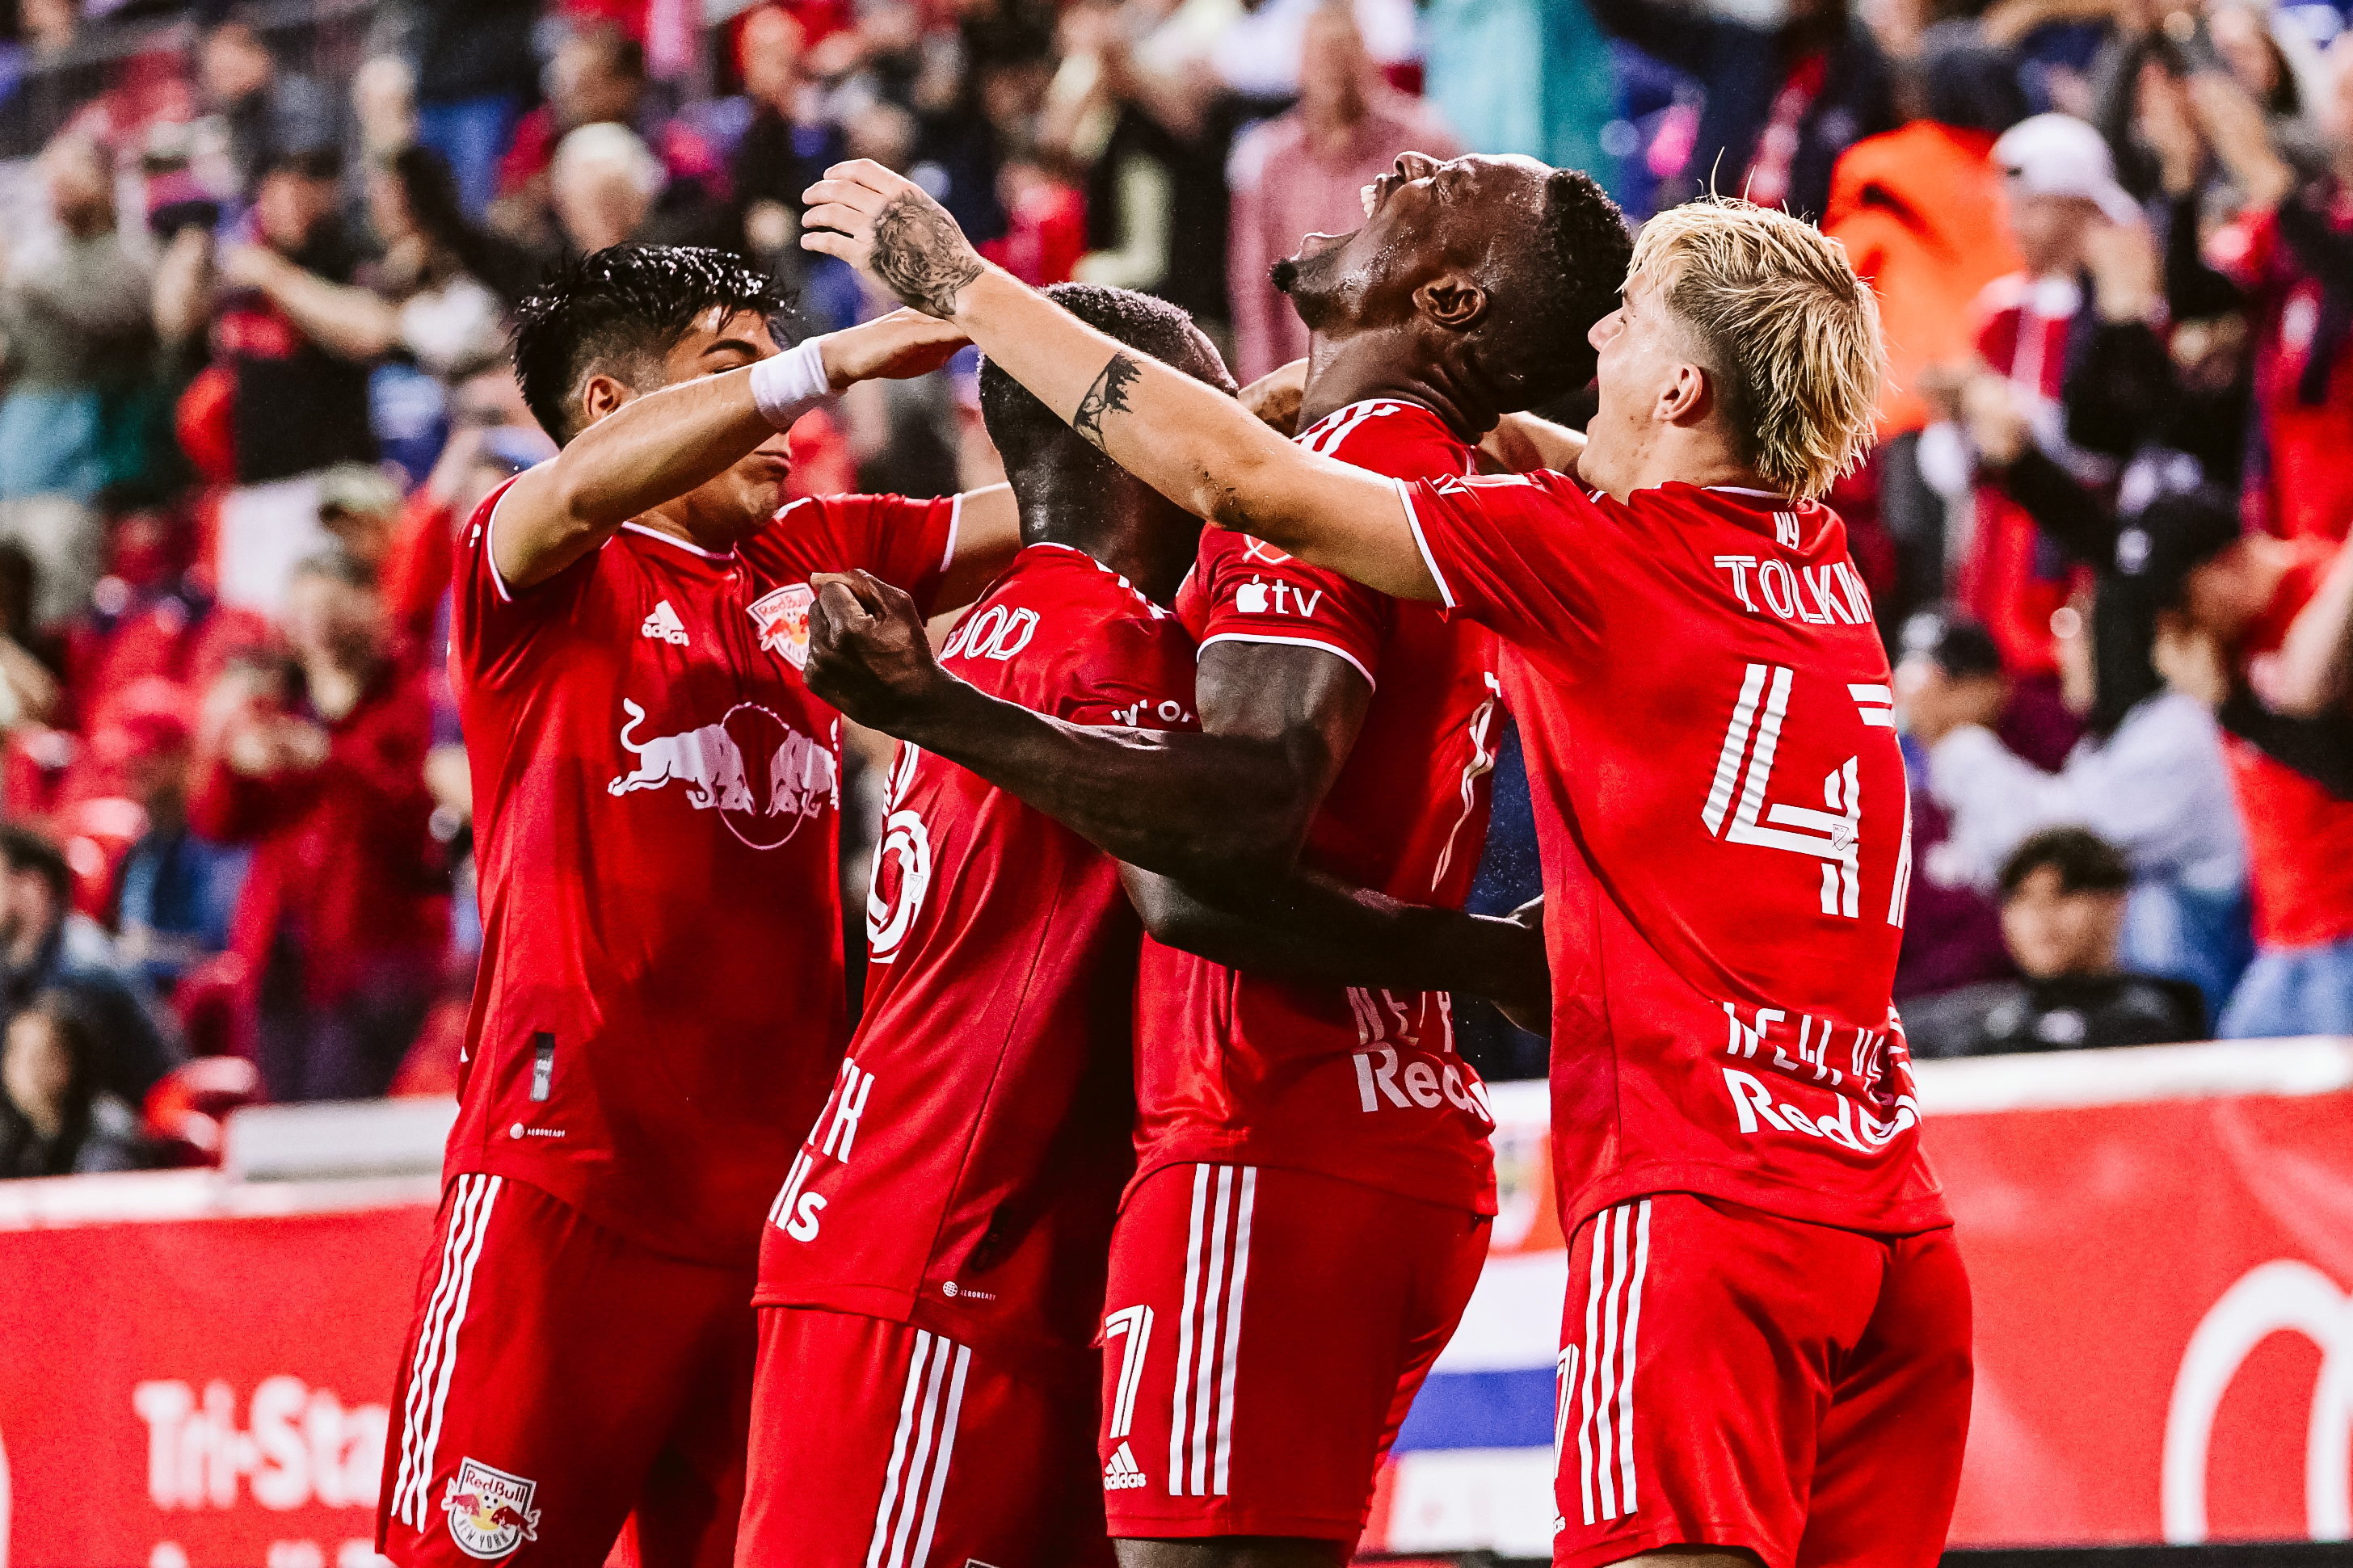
(1283,191)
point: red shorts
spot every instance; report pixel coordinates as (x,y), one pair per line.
(1730,1378)
(879,1445)
(1267,1330)
(558,1379)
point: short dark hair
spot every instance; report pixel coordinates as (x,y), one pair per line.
(2086,863)
(2174,536)
(26,850)
(1542,352)
(618,312)
(1028,433)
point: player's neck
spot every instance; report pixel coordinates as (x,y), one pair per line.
(1671,456)
(1363,365)
(1152,554)
(674,521)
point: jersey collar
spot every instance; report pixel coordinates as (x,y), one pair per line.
(677,543)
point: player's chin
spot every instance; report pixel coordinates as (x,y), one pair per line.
(763,478)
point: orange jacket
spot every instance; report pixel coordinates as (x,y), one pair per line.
(1919,211)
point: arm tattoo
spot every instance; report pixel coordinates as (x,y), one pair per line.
(922,254)
(1107,396)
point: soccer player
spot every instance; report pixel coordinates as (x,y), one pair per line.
(660,1007)
(932,1272)
(1315,1176)
(1766,1347)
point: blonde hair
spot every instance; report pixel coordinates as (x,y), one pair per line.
(1791,331)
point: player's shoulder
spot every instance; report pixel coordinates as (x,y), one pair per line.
(827,532)
(1390,436)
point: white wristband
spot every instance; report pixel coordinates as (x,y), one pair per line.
(790,384)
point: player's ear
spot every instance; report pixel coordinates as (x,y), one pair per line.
(1685,398)
(600,395)
(1452,301)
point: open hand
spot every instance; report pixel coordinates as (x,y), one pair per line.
(868,654)
(883,225)
(896,347)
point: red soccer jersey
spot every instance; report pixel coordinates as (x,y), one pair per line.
(2299,836)
(1359,1084)
(1721,807)
(964,1175)
(660,1004)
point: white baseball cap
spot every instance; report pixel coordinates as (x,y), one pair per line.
(2060,155)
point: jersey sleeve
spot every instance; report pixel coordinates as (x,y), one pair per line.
(1251,592)
(1138,674)
(1518,553)
(492,624)
(908,543)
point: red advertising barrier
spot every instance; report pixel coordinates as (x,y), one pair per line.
(198,1391)
(2164,1296)
(2160,1242)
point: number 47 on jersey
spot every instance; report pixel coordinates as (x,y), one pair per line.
(1738,813)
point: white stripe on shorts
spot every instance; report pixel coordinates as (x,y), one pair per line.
(1208,1332)
(921,1452)
(1619,1254)
(437,1346)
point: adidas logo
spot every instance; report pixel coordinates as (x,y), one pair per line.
(664,625)
(1123,1473)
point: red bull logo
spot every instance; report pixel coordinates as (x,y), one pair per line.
(782,618)
(490,1511)
(714,763)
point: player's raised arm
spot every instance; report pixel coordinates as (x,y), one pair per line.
(624,454)
(1192,443)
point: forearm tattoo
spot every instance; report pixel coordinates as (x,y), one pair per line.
(922,254)
(1108,394)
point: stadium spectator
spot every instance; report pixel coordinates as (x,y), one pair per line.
(176,890)
(1145,117)
(789,144)
(359,506)
(1782,102)
(602,186)
(271,114)
(1909,204)
(2039,329)
(294,405)
(55,1117)
(77,336)
(2226,601)
(46,946)
(476,71)
(2147,778)
(2287,259)
(597,77)
(2062,915)
(1952,928)
(1304,173)
(345,914)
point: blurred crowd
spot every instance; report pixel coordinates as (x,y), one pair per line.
(255,277)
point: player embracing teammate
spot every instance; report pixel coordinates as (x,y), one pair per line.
(1766,1348)
(1313,1183)
(660,1008)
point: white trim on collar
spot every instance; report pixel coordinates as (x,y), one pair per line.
(675,542)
